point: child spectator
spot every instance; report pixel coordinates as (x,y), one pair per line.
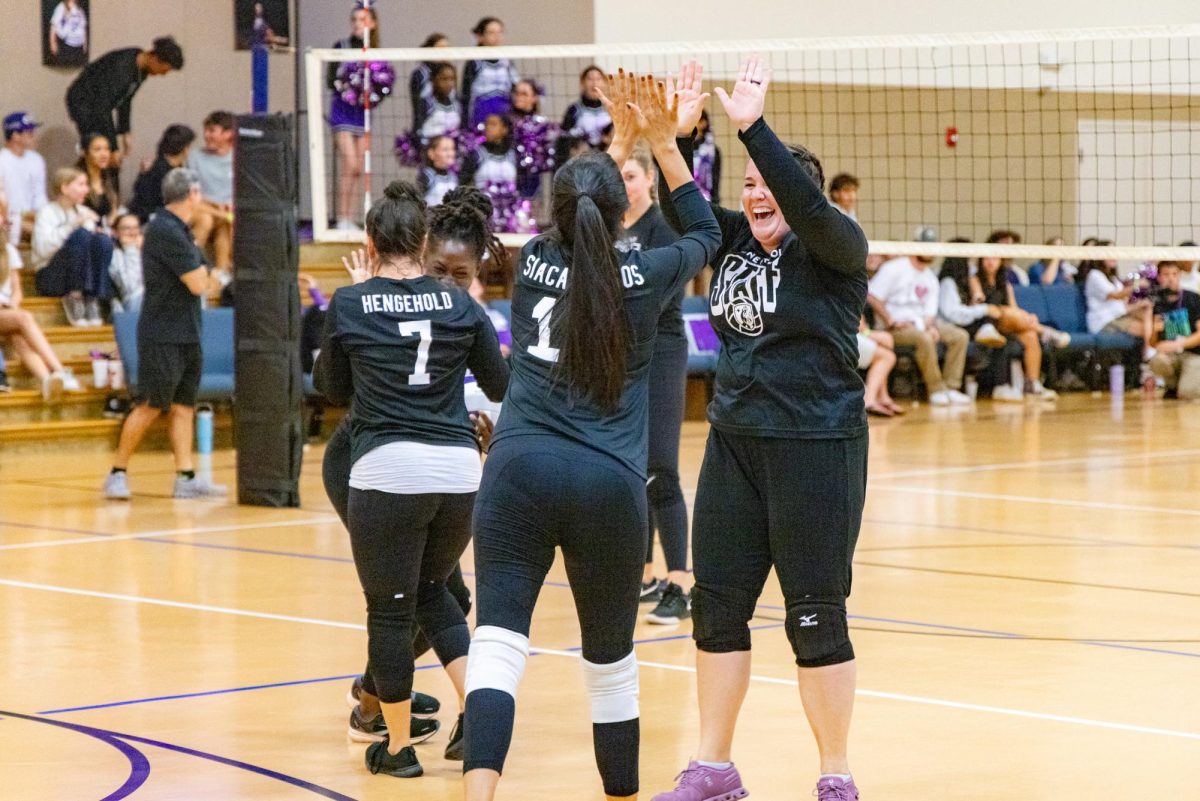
(125,270)
(71,257)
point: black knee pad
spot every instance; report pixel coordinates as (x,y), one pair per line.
(662,487)
(720,618)
(819,632)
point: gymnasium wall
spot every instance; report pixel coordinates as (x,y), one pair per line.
(673,20)
(214,74)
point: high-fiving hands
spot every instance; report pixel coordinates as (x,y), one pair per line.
(687,92)
(745,105)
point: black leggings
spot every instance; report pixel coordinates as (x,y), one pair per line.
(540,493)
(792,504)
(405,547)
(668,512)
(335,473)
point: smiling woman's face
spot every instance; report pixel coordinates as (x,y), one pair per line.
(758,204)
(451,259)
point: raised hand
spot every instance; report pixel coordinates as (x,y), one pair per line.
(745,105)
(685,89)
(358,266)
(656,113)
(617,96)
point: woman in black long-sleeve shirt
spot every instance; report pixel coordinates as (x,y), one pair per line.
(784,474)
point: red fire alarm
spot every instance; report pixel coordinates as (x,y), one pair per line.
(951,137)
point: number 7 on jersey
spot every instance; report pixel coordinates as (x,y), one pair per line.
(423,329)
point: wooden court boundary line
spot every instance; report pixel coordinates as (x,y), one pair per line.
(1074,504)
(914,699)
(933,472)
(101,536)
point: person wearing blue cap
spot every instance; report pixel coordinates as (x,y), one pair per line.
(22,174)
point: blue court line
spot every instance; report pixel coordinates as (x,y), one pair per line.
(56,529)
(113,737)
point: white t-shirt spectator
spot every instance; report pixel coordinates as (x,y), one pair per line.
(69,26)
(216,174)
(24,181)
(14,274)
(909,294)
(1100,310)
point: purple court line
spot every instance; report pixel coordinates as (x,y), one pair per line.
(245,549)
(233,763)
(36,527)
(139,765)
(1036,535)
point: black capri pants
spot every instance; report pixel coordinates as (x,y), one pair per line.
(668,511)
(792,504)
(405,547)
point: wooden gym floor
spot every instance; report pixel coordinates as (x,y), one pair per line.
(1026,613)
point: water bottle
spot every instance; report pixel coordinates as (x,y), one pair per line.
(204,429)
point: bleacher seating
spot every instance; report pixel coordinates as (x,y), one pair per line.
(216,381)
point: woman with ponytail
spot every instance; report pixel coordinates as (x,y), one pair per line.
(399,342)
(567,467)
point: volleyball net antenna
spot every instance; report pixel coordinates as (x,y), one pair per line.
(1052,135)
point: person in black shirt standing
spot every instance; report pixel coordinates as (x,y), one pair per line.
(169,357)
(173,150)
(784,475)
(567,466)
(1177,324)
(107,86)
(645,228)
(400,343)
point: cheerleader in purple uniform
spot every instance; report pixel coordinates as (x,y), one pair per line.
(440,113)
(533,136)
(420,82)
(347,119)
(706,160)
(492,167)
(586,118)
(488,83)
(438,176)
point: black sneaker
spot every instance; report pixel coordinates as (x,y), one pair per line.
(652,591)
(454,748)
(421,729)
(403,765)
(676,605)
(366,731)
(424,706)
(4,387)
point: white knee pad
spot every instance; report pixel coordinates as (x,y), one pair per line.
(613,689)
(496,660)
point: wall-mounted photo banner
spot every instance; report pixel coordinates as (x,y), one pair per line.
(260,22)
(65,30)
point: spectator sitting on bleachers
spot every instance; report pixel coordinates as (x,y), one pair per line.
(213,220)
(103,196)
(1108,306)
(1177,325)
(1017,275)
(173,150)
(125,270)
(22,174)
(996,291)
(1189,271)
(843,191)
(877,355)
(904,297)
(71,257)
(1048,272)
(26,336)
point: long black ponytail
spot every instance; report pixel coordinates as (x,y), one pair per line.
(589,200)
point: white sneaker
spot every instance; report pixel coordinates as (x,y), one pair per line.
(1007,393)
(1149,353)
(1059,339)
(1041,392)
(69,382)
(959,398)
(988,335)
(52,388)
(939,399)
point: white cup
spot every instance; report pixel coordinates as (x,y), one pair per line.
(100,370)
(116,374)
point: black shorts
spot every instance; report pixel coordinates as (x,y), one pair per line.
(168,374)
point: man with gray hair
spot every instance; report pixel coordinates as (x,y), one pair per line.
(168,337)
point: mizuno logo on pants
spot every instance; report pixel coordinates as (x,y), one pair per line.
(808,620)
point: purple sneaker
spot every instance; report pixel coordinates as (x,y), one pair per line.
(702,783)
(831,788)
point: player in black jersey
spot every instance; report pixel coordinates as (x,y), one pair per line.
(784,473)
(567,467)
(645,228)
(400,343)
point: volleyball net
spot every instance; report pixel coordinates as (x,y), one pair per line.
(1050,135)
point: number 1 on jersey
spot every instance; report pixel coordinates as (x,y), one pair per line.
(424,330)
(542,313)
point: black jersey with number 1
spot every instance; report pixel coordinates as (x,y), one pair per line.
(653,231)
(401,348)
(537,401)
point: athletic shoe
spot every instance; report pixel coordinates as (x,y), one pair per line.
(116,487)
(676,605)
(91,313)
(4,385)
(52,388)
(1059,339)
(403,765)
(421,729)
(1038,391)
(1149,353)
(1007,393)
(702,783)
(423,706)
(652,591)
(69,382)
(455,748)
(941,398)
(831,788)
(959,398)
(362,730)
(988,336)
(198,488)
(75,310)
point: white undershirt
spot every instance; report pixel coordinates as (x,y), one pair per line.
(418,468)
